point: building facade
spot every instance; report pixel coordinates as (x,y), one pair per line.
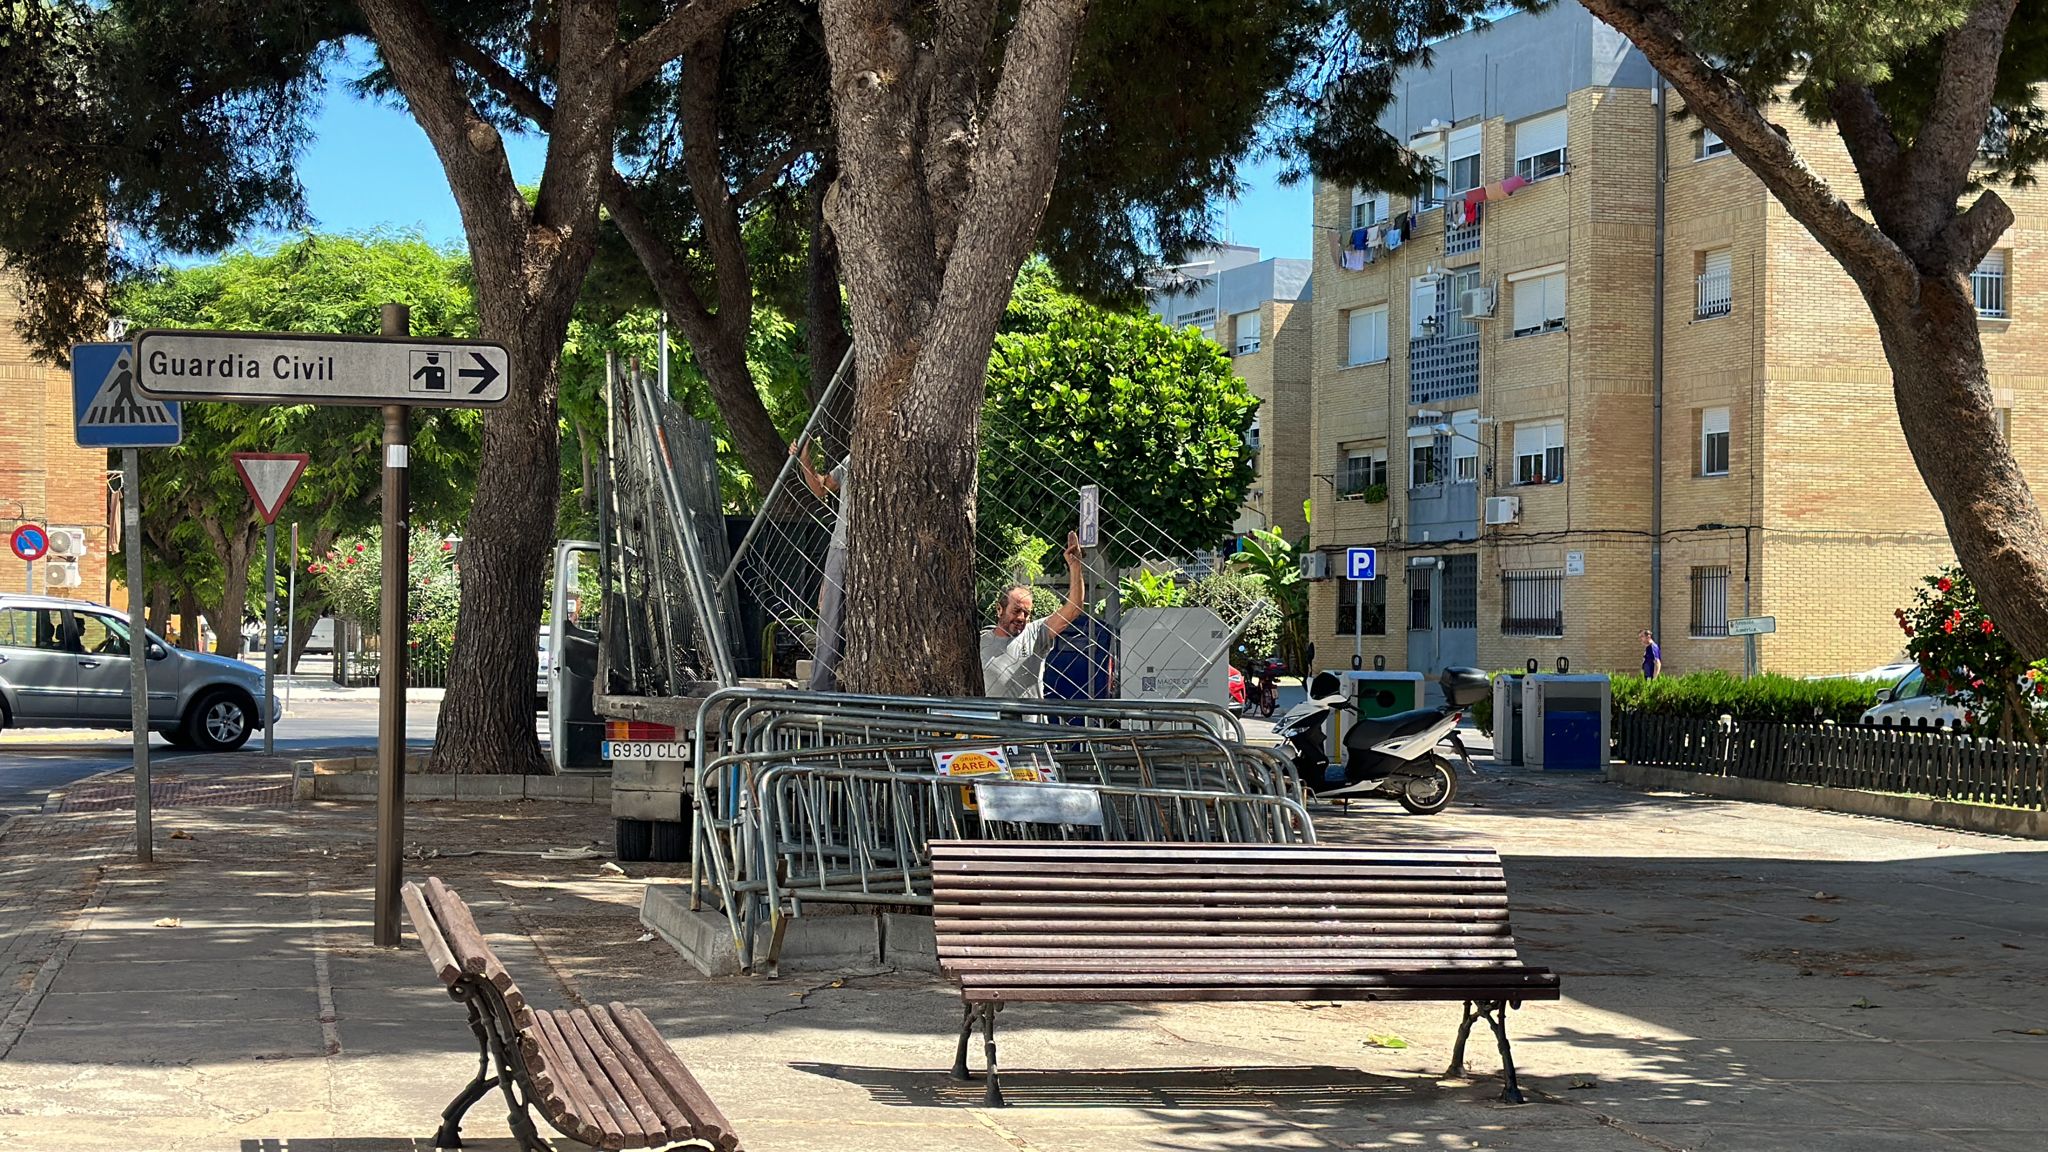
(1553,446)
(45,477)
(1260,312)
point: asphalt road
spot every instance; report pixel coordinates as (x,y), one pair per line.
(33,763)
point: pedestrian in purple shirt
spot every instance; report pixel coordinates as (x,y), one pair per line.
(1653,657)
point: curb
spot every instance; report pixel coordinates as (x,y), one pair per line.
(354,779)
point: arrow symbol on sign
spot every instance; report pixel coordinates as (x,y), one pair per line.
(483,373)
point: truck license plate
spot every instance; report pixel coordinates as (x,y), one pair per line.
(644,750)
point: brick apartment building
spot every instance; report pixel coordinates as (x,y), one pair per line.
(1259,311)
(45,477)
(1488,389)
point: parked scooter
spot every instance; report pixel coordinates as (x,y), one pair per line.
(1263,695)
(1393,756)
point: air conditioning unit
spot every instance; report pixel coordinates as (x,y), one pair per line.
(60,574)
(1315,565)
(1503,509)
(1478,303)
(67,543)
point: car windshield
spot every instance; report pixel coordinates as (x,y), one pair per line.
(1909,686)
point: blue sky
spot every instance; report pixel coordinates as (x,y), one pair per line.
(371,167)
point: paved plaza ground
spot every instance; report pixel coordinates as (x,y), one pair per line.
(1736,977)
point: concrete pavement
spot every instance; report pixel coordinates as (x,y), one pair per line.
(1737,977)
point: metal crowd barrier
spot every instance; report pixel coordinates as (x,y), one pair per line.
(802,796)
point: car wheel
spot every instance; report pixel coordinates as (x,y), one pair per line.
(220,721)
(175,736)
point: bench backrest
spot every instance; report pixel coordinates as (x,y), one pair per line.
(1197,906)
(455,947)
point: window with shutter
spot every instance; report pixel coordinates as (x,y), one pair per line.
(1366,335)
(1422,317)
(1714,442)
(1464,160)
(1246,326)
(1540,146)
(1539,300)
(1539,452)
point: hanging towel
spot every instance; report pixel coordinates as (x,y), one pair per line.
(1512,185)
(1472,213)
(1393,240)
(1497,190)
(1358,239)
(1354,260)
(1374,237)
(1476,195)
(1337,248)
(1455,212)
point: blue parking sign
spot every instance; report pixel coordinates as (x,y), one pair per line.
(1361,563)
(108,405)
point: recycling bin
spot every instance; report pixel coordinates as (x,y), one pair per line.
(1507,719)
(1565,722)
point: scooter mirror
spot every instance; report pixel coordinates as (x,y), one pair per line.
(1324,685)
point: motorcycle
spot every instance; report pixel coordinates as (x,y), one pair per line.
(1264,695)
(1393,756)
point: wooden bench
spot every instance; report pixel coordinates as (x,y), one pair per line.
(1071,921)
(602,1076)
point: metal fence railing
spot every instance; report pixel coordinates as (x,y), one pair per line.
(360,669)
(1937,765)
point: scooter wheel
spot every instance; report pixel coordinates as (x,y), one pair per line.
(1431,792)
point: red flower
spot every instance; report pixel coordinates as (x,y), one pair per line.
(1944,583)
(351,560)
(361,547)
(447,546)
(1949,625)
(1976,683)
(1908,628)
(1986,627)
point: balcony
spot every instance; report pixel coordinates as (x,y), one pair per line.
(1715,294)
(1460,239)
(1443,368)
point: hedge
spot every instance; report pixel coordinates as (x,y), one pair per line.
(1760,699)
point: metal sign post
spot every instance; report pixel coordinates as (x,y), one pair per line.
(392,645)
(392,371)
(291,614)
(1360,565)
(109,411)
(270,478)
(1749,628)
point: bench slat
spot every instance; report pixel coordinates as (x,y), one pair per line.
(1066,892)
(710,1124)
(1024,993)
(613,1114)
(574,1108)
(1137,869)
(989,968)
(429,932)
(1448,945)
(1359,978)
(1072,851)
(674,1125)
(648,1123)
(1386,957)
(1265,921)
(467,943)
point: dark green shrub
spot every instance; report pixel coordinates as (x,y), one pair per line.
(1762,699)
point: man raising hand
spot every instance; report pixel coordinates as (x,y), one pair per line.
(1013,652)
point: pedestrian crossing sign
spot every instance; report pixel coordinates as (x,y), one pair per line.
(110,409)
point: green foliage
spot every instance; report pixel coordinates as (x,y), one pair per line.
(1267,555)
(1147,589)
(1966,658)
(1231,594)
(1760,699)
(351,575)
(1154,415)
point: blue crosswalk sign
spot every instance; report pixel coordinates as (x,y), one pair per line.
(1361,563)
(110,409)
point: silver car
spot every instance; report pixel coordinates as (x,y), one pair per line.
(64,664)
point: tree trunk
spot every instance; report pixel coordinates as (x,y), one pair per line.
(156,606)
(1929,330)
(235,553)
(487,712)
(188,621)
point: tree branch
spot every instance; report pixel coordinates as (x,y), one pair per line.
(1963,244)
(641,60)
(717,212)
(1012,165)
(1873,146)
(521,96)
(951,107)
(1937,168)
(771,174)
(1863,250)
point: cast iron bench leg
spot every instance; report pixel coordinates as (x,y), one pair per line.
(1458,1050)
(993,1098)
(449,1135)
(1498,1019)
(967,1014)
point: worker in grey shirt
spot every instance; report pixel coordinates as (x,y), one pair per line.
(828,488)
(1013,652)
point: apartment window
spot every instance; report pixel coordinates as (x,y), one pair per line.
(1539,452)
(1425,463)
(1369,208)
(1714,442)
(1202,320)
(1987,284)
(1432,194)
(1711,144)
(1464,166)
(1716,292)
(1366,339)
(1539,300)
(1539,146)
(2003,418)
(1465,446)
(1710,601)
(1373,622)
(1461,591)
(1246,326)
(1457,325)
(1532,602)
(1361,468)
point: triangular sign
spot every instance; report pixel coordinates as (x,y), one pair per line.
(270,478)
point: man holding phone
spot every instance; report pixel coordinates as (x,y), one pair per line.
(1013,652)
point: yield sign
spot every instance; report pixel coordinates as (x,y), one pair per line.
(270,478)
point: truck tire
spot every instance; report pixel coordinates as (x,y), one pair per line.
(634,839)
(671,841)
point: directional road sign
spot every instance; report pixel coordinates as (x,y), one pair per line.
(282,367)
(110,410)
(1752,625)
(30,542)
(1361,563)
(270,478)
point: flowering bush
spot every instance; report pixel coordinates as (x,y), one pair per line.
(352,575)
(1967,659)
